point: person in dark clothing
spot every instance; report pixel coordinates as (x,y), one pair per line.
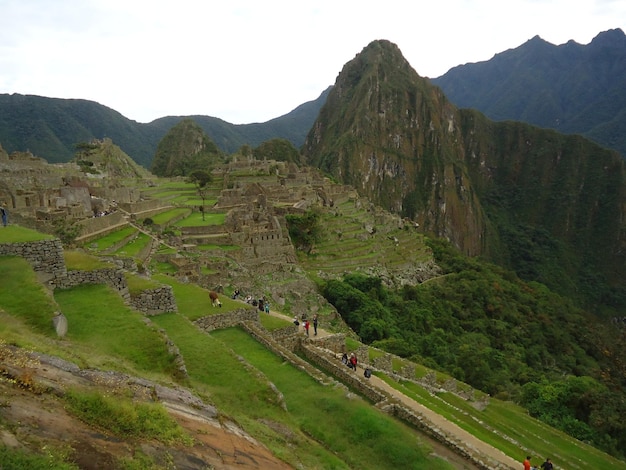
(5,216)
(547,465)
(315,325)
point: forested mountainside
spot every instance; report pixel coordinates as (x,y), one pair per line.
(572,88)
(51,127)
(548,205)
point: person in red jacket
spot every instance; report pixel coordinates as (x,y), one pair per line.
(306,327)
(353,361)
(527,463)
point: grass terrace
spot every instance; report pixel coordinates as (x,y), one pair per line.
(111,240)
(195,219)
(18,234)
(135,246)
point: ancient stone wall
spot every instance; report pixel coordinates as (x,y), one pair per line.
(95,227)
(228,319)
(45,256)
(154,301)
(113,277)
(141,206)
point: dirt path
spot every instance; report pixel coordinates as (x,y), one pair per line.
(437,420)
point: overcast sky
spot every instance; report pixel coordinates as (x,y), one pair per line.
(250,61)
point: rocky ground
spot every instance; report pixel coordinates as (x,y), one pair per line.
(34,418)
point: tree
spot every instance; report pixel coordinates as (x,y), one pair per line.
(201,179)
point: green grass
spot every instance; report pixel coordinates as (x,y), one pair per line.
(125,419)
(137,284)
(81,261)
(23,296)
(382,441)
(193,301)
(164,217)
(99,320)
(134,247)
(112,239)
(16,233)
(271,323)
(509,428)
(17,459)
(195,220)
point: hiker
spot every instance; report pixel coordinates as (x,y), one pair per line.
(344,359)
(267,308)
(315,325)
(306,327)
(295,321)
(5,216)
(353,361)
(527,463)
(547,465)
(367,373)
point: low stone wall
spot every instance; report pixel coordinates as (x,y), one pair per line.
(202,230)
(228,319)
(111,276)
(155,301)
(95,227)
(333,365)
(45,256)
(261,335)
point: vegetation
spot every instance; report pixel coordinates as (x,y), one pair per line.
(304,230)
(53,459)
(125,419)
(200,179)
(185,149)
(104,333)
(18,234)
(277,149)
(509,338)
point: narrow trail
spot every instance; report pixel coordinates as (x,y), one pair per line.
(437,420)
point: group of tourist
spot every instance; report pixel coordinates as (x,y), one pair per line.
(306,325)
(352,362)
(262,303)
(547,465)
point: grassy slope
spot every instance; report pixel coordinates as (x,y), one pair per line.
(229,360)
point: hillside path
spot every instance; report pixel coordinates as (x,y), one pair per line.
(437,420)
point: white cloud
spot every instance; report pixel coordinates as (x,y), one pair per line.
(250,61)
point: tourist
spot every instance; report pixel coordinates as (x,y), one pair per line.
(527,463)
(306,327)
(315,325)
(5,215)
(547,465)
(353,361)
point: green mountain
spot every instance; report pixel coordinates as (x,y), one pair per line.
(50,127)
(572,88)
(183,149)
(548,205)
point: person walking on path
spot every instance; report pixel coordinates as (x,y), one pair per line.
(527,463)
(315,325)
(306,327)
(5,216)
(547,465)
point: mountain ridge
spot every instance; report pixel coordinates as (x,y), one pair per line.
(505,190)
(571,88)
